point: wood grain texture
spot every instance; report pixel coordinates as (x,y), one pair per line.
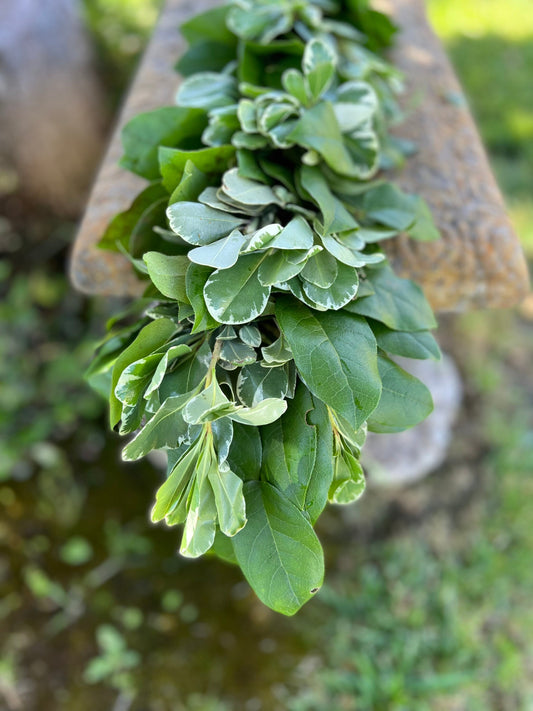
(478,262)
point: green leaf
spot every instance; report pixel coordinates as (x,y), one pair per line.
(199,224)
(192,183)
(144,134)
(405,401)
(166,428)
(340,293)
(236,353)
(278,268)
(278,551)
(348,483)
(168,274)
(289,449)
(150,338)
(200,525)
(295,235)
(318,130)
(277,352)
(321,270)
(245,191)
(245,452)
(398,303)
(250,335)
(208,25)
(195,280)
(172,162)
(263,413)
(262,21)
(229,500)
(335,216)
(122,225)
(207,90)
(256,383)
(319,63)
(221,254)
(236,295)
(293,83)
(356,102)
(415,344)
(207,405)
(170,493)
(340,367)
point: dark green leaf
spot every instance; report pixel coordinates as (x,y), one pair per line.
(168,126)
(405,401)
(336,357)
(278,550)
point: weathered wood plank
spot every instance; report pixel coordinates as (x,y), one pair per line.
(479,261)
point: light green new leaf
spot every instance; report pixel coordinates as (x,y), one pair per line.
(171,354)
(199,224)
(150,338)
(200,525)
(398,303)
(256,383)
(405,401)
(336,357)
(166,428)
(319,63)
(236,295)
(263,413)
(207,90)
(168,274)
(348,483)
(229,500)
(192,183)
(208,405)
(135,378)
(171,492)
(245,191)
(278,551)
(221,254)
(356,102)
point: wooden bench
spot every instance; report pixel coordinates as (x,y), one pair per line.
(478,262)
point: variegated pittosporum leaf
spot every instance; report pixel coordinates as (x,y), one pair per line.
(268,330)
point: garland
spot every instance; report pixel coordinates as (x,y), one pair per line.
(260,353)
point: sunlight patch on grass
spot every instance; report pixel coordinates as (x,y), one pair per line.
(512,19)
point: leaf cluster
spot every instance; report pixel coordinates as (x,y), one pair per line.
(262,349)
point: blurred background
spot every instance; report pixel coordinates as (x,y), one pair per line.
(427,603)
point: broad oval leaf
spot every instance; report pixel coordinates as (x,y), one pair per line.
(199,224)
(398,303)
(278,551)
(236,295)
(405,400)
(221,254)
(336,357)
(168,274)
